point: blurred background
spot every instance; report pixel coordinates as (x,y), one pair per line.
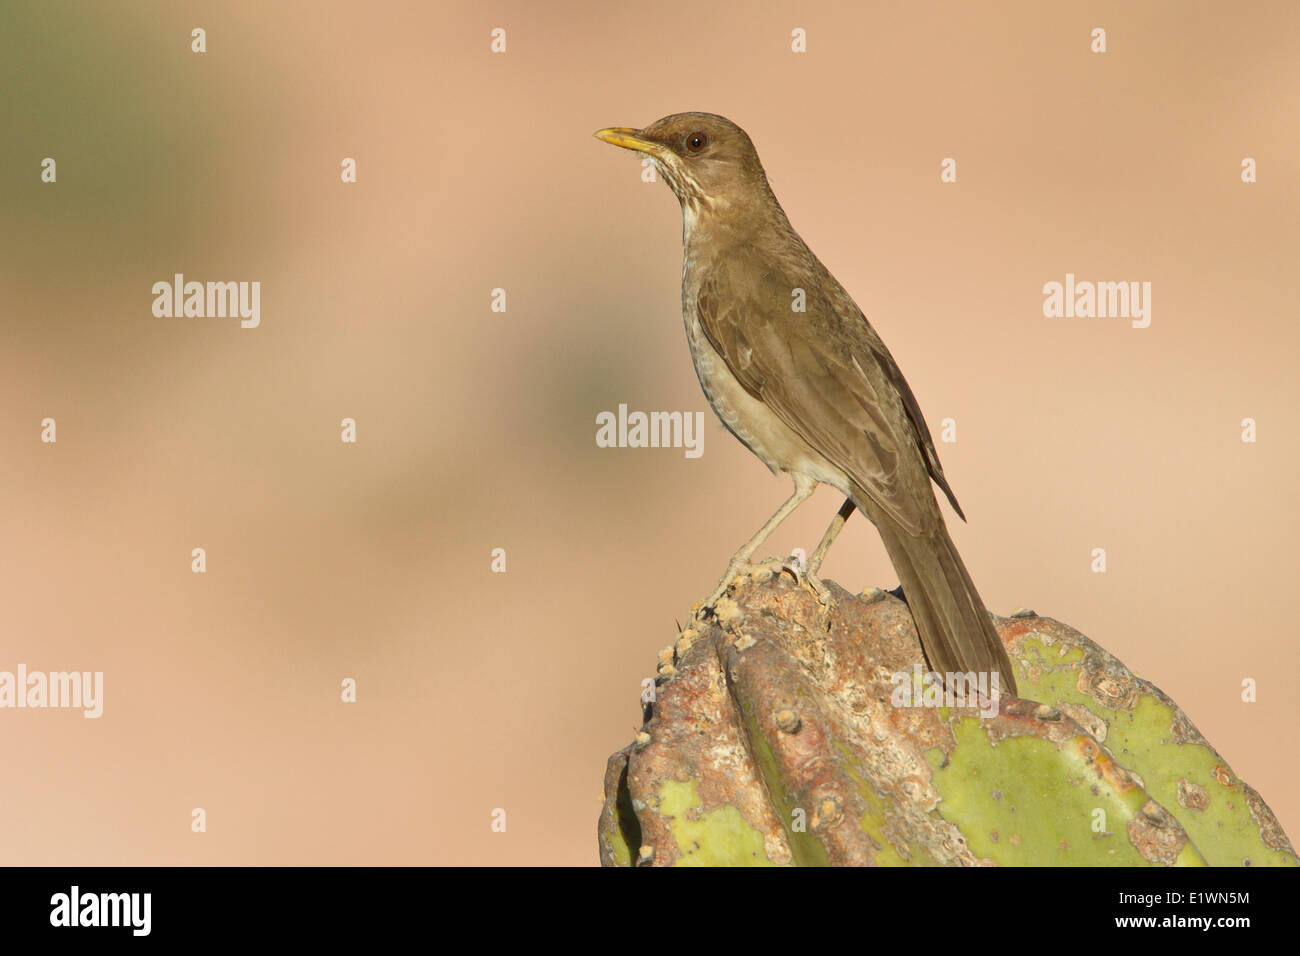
(476,429)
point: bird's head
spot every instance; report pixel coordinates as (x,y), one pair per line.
(707,160)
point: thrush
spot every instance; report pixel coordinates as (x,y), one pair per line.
(795,371)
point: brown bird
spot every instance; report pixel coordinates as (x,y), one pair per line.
(796,372)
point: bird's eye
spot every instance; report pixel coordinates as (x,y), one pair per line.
(697,141)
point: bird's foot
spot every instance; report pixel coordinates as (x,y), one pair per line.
(809,579)
(741,568)
(822,593)
(738,570)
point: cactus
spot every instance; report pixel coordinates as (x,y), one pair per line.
(777,738)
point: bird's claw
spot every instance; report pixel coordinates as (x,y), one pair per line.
(820,591)
(805,576)
(767,569)
(737,569)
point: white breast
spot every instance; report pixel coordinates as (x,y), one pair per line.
(758,428)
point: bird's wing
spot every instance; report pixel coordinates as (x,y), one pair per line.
(827,375)
(895,376)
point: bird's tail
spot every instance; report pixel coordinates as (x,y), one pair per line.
(956,631)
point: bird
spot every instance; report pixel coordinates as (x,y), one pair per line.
(797,373)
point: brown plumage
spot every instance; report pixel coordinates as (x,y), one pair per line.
(814,393)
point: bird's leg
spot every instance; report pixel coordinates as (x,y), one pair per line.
(740,563)
(815,562)
(837,523)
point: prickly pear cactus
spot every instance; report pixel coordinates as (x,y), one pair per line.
(781,735)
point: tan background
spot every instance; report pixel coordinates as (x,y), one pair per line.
(476,429)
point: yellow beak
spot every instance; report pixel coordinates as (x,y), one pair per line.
(628,139)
